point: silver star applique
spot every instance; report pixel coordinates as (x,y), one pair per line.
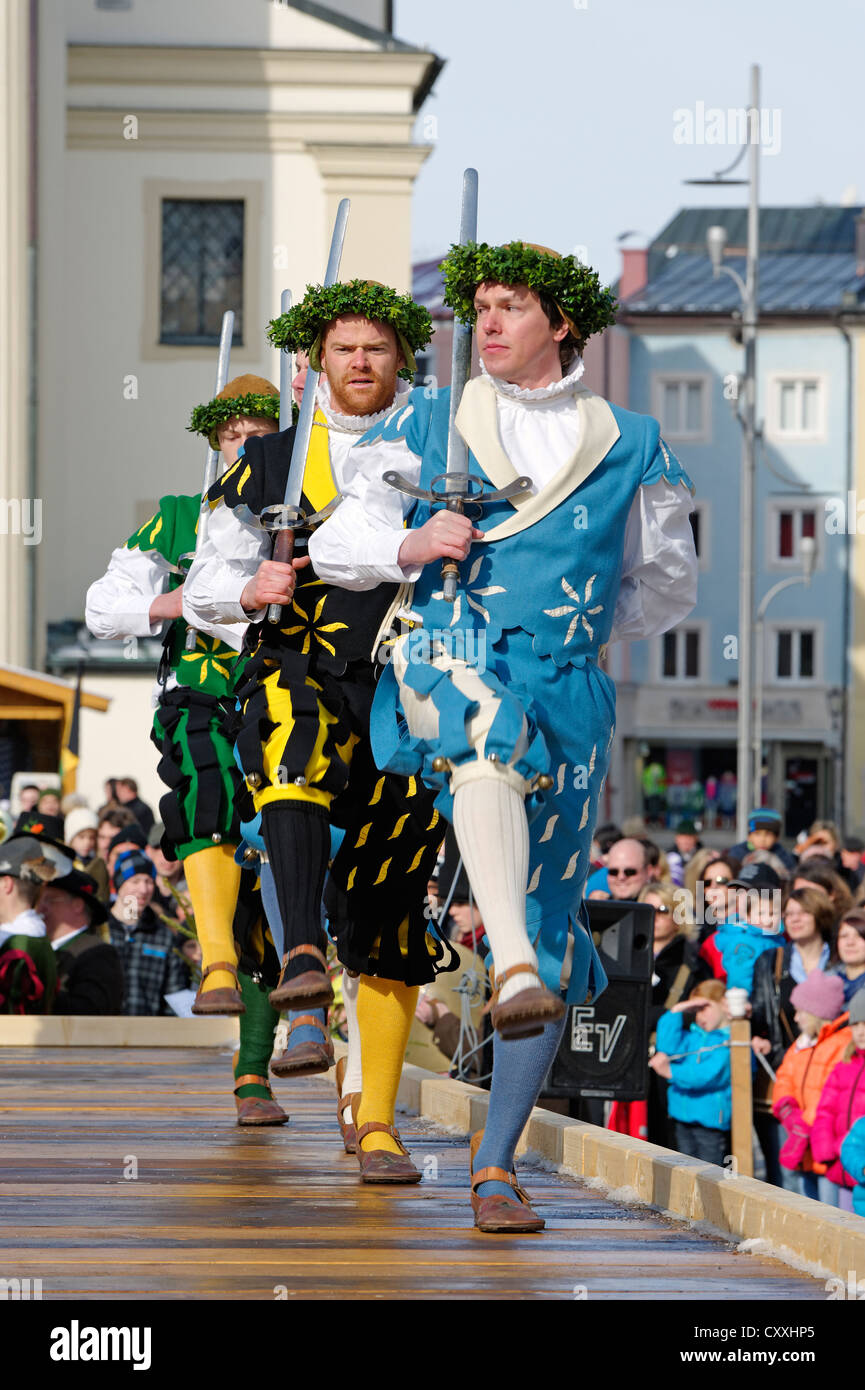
(579,618)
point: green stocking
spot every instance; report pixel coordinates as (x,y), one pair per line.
(257,1027)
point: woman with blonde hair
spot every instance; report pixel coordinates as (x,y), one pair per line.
(676,972)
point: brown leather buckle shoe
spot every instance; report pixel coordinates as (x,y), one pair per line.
(255,1110)
(380,1166)
(343,1103)
(311,990)
(527,1013)
(219,1001)
(306,1058)
(499,1215)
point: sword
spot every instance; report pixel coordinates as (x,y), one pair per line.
(286,519)
(285,371)
(461,365)
(458,486)
(211,463)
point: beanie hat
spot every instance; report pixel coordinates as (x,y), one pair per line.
(134,862)
(857,1007)
(78,820)
(764,819)
(822,995)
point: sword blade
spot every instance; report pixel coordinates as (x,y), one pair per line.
(285,372)
(303,433)
(461,366)
(461,354)
(212,461)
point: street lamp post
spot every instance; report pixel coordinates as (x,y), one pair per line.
(716,236)
(808,550)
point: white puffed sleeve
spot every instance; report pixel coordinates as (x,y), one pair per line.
(357,547)
(118,604)
(229,557)
(659,574)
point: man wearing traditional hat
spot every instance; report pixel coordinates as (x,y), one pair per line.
(501,700)
(305,699)
(141,591)
(89,974)
(28,972)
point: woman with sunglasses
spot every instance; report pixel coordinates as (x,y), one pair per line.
(710,910)
(676,973)
(809,917)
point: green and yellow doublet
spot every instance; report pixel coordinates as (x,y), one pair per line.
(304,699)
(192,722)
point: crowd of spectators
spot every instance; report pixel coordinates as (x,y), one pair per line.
(94,918)
(787,927)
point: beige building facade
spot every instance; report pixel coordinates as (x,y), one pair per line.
(265,112)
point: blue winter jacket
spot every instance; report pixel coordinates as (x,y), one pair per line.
(853,1159)
(699,1092)
(740,943)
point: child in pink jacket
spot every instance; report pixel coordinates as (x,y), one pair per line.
(842,1103)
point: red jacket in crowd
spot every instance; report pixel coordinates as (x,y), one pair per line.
(842,1103)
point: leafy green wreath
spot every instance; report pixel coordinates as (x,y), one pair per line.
(300,330)
(574,287)
(206,419)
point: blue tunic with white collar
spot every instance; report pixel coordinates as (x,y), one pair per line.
(533,613)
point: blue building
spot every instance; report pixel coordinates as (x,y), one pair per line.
(678,695)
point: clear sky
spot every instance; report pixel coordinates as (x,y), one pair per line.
(566,108)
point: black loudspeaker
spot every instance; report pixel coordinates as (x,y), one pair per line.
(605,1047)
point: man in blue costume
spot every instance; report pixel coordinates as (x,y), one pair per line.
(501,699)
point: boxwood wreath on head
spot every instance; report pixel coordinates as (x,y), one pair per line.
(302,329)
(560,282)
(245,395)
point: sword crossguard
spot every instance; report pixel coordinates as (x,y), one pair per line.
(283,518)
(458,492)
(464,487)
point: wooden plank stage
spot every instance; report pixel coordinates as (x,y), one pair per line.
(219,1212)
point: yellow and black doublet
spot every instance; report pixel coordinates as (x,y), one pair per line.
(303,746)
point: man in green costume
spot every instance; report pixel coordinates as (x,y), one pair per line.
(139,593)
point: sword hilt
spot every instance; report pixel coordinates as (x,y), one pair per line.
(283,553)
(472,492)
(450,568)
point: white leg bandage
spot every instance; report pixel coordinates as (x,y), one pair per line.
(352,1081)
(493,838)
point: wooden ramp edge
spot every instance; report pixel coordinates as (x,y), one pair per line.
(800,1232)
(50,1030)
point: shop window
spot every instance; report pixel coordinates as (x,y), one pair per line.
(201,270)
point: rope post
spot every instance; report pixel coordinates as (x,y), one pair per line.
(740,1078)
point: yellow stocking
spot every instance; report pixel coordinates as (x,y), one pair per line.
(385,1009)
(214,880)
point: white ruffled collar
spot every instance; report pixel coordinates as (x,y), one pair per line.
(356,424)
(539,394)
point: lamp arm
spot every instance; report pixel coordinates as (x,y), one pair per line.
(777,589)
